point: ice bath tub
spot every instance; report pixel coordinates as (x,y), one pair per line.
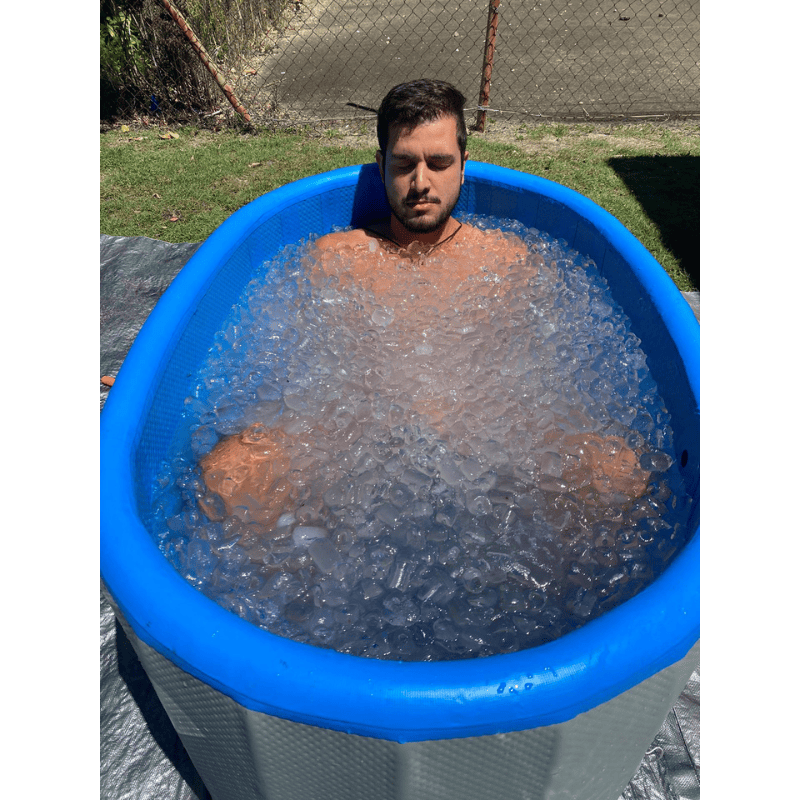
(266,717)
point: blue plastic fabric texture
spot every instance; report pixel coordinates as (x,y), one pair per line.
(385,699)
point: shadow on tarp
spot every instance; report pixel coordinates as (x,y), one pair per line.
(668,190)
(154,715)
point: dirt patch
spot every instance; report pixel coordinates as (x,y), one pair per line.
(541,138)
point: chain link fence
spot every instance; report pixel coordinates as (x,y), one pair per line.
(284,62)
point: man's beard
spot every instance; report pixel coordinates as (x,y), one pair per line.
(406,215)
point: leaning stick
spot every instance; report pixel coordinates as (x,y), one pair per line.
(204,57)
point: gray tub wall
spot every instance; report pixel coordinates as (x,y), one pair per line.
(247,755)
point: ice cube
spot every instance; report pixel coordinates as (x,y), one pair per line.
(471,468)
(550,464)
(285,520)
(370,589)
(478,503)
(400,574)
(400,610)
(303,535)
(450,472)
(382,316)
(324,554)
(657,461)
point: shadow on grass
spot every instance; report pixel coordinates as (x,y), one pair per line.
(668,189)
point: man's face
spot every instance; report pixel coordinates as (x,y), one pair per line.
(423,173)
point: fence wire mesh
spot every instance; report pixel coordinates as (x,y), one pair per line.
(305,61)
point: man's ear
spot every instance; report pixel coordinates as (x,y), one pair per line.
(379,159)
(463,165)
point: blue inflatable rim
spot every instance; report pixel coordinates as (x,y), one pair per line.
(384,699)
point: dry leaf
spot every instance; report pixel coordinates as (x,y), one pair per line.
(174,219)
(125,128)
(250,72)
(169,135)
(256,164)
(156,195)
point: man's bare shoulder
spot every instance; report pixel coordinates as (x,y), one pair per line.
(506,245)
(343,239)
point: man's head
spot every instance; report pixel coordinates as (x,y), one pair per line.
(410,104)
(422,138)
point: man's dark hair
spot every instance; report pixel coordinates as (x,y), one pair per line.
(410,104)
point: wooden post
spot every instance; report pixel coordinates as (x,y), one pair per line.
(204,57)
(488,61)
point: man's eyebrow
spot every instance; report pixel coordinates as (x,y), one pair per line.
(440,157)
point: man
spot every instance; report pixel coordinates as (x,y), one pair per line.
(422,139)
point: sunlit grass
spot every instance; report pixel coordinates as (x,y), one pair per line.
(181,189)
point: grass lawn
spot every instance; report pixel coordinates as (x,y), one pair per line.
(180,189)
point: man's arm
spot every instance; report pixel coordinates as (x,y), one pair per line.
(603,470)
(248,471)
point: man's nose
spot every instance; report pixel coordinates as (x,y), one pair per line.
(421,182)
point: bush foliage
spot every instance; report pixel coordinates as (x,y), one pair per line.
(147,65)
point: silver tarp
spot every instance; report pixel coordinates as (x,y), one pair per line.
(141,755)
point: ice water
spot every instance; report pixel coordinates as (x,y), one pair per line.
(427,516)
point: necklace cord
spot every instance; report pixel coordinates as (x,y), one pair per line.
(407,247)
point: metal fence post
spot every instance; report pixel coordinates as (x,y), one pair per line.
(488,61)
